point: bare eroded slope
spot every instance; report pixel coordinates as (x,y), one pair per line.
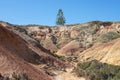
(107,52)
(18,53)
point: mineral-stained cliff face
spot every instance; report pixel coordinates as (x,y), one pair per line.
(59,39)
(51,38)
(21,54)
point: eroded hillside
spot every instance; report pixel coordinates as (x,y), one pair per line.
(21,54)
(52,53)
(106,53)
(73,39)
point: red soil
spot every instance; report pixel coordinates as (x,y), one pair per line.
(16,56)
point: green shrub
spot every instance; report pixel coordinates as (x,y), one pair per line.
(88,30)
(95,70)
(108,36)
(85,29)
(100,23)
(22,76)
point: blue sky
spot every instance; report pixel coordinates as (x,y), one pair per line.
(44,12)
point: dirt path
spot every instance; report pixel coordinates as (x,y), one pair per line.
(67,76)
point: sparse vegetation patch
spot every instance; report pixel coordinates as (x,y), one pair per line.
(109,36)
(95,70)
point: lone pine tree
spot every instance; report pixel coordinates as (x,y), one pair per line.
(60,18)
